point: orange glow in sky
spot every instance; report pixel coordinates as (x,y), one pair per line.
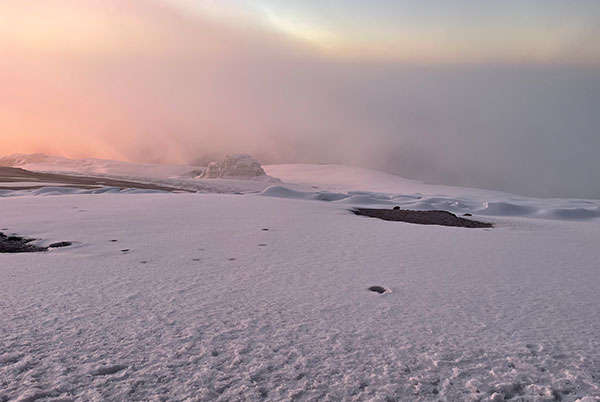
(114,78)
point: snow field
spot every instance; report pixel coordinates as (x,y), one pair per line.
(206,305)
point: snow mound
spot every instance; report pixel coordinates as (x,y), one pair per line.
(574,214)
(485,204)
(284,192)
(234,166)
(508,208)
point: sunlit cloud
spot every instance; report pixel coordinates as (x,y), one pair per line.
(58,26)
(181,81)
(457,32)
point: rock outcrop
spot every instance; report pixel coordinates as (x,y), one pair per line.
(234,166)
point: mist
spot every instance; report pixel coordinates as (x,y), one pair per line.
(193,90)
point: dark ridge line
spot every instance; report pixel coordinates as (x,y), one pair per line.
(12,175)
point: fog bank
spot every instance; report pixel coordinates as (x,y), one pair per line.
(189,90)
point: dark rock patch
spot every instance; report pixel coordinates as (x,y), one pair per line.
(443,218)
(262,245)
(125,250)
(231,259)
(396,208)
(467,214)
(113,240)
(60,244)
(265,229)
(196,259)
(378,289)
(17,244)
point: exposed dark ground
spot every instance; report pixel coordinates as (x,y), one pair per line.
(15,175)
(442,218)
(17,244)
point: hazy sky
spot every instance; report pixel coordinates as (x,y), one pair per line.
(447,31)
(500,94)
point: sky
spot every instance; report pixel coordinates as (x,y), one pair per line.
(501,95)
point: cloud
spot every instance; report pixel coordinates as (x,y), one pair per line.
(162,85)
(460,31)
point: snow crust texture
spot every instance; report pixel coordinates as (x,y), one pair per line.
(190,297)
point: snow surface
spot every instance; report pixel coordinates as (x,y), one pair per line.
(196,301)
(178,176)
(92,166)
(335,183)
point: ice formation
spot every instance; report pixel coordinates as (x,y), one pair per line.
(234,166)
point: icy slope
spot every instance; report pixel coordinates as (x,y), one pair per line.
(350,178)
(196,301)
(92,166)
(178,176)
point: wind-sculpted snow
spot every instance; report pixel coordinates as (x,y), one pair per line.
(186,177)
(352,186)
(508,206)
(73,191)
(207,297)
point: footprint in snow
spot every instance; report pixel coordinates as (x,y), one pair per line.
(106,370)
(378,289)
(60,244)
